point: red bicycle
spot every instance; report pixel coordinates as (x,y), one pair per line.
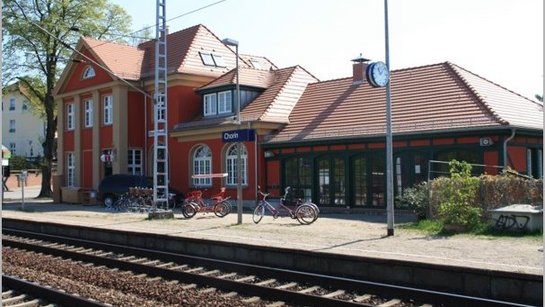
(195,203)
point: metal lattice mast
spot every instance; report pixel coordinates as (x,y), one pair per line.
(160,136)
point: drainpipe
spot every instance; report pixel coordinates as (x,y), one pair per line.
(505,162)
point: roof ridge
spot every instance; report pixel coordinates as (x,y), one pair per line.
(219,39)
(273,101)
(496,84)
(104,42)
(292,74)
(474,91)
(190,46)
(258,56)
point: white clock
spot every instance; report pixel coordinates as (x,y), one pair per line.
(378,74)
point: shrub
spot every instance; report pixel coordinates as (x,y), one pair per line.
(457,196)
(416,199)
(18,163)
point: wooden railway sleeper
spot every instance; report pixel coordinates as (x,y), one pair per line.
(287,286)
(310,289)
(334,293)
(208,273)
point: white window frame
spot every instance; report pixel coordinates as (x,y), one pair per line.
(88,117)
(70,169)
(70,119)
(12,126)
(225,102)
(88,73)
(107,110)
(134,162)
(207,58)
(218,60)
(231,162)
(12,104)
(210,104)
(202,165)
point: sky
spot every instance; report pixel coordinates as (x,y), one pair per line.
(500,40)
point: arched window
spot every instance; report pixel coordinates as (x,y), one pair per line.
(231,162)
(89,72)
(202,164)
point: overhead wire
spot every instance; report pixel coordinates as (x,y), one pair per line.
(105,42)
(155,25)
(91,60)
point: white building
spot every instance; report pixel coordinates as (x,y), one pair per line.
(23,131)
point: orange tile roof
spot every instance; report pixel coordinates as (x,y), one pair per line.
(258,62)
(183,55)
(424,99)
(123,60)
(278,101)
(283,88)
(249,77)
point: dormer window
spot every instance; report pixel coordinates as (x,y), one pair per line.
(212,59)
(218,103)
(89,72)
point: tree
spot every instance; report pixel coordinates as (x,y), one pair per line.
(37,35)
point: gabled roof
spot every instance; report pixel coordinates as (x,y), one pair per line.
(276,103)
(184,50)
(510,107)
(424,99)
(123,60)
(183,53)
(282,90)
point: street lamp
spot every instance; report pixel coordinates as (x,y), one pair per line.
(232,42)
(389,147)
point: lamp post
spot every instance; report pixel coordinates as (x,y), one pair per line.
(232,42)
(389,149)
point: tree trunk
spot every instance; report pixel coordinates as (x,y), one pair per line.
(49,147)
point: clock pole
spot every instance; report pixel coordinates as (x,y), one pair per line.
(389,158)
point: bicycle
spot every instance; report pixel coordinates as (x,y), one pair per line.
(195,203)
(305,213)
(139,199)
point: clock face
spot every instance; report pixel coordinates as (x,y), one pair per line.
(378,74)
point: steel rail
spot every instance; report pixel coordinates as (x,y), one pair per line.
(380,289)
(46,293)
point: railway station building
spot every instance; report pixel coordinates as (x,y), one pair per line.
(325,139)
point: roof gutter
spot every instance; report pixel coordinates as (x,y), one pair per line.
(513,131)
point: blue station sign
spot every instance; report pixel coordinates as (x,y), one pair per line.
(241,135)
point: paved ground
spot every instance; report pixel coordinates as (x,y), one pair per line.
(352,234)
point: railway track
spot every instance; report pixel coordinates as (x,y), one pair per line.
(23,293)
(256,283)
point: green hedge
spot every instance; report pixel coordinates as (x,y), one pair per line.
(474,196)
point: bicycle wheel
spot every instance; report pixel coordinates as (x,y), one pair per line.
(123,204)
(315,208)
(259,211)
(306,214)
(221,209)
(189,210)
(117,204)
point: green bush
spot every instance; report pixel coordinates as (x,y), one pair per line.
(416,199)
(457,196)
(18,163)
